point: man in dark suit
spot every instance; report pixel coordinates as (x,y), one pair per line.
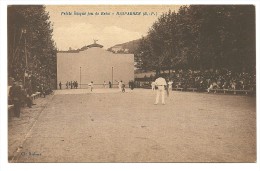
(16,95)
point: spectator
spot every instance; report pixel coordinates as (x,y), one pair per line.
(60,85)
(16,95)
(208,79)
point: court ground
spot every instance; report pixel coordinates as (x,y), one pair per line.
(109,126)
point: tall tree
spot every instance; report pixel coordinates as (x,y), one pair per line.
(203,37)
(31,49)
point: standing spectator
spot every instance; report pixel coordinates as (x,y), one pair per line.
(60,85)
(105,84)
(29,95)
(132,85)
(15,94)
(23,100)
(123,87)
(67,85)
(110,84)
(71,85)
(169,87)
(120,85)
(153,85)
(42,90)
(76,84)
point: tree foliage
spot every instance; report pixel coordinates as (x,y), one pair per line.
(30,45)
(200,37)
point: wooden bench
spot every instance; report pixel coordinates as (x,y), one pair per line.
(245,91)
(230,90)
(192,89)
(33,96)
(10,107)
(36,95)
(10,110)
(218,90)
(177,89)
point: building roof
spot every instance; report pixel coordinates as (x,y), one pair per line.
(95,45)
(83,48)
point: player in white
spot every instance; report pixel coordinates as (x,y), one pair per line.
(170,86)
(161,84)
(91,86)
(153,85)
(105,84)
(120,85)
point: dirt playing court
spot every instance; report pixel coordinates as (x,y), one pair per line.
(109,126)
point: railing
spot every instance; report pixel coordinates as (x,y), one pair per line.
(178,89)
(192,89)
(216,90)
(229,90)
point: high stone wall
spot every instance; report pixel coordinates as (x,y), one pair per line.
(96,65)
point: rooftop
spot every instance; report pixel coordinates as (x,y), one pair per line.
(83,48)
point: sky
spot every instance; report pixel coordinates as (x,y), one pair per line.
(76,30)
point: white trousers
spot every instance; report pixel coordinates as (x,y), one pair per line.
(159,91)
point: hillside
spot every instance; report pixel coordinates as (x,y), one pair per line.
(122,48)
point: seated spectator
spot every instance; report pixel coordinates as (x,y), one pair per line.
(42,90)
(233,85)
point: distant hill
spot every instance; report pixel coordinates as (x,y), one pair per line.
(128,47)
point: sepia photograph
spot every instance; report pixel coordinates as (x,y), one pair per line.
(131,83)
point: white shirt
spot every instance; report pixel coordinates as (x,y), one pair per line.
(170,83)
(160,81)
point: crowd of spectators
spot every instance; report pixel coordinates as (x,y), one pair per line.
(70,84)
(20,92)
(218,79)
(209,79)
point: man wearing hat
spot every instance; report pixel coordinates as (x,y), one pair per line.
(16,95)
(161,84)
